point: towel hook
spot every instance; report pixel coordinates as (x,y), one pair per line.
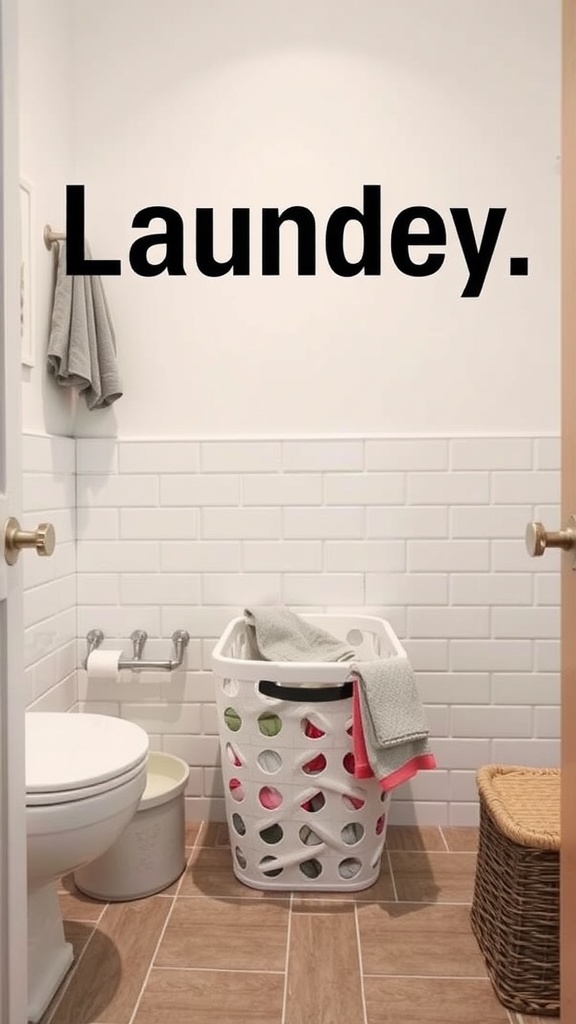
(51,236)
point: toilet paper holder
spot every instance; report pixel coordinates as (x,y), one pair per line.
(180,641)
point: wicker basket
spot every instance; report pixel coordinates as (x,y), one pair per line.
(516,906)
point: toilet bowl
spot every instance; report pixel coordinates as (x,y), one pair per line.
(85,775)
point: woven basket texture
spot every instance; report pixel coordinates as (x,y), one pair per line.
(515,910)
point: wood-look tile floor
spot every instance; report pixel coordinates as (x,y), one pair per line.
(211,951)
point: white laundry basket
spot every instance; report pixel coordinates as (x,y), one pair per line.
(298,819)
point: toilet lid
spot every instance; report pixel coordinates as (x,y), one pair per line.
(72,751)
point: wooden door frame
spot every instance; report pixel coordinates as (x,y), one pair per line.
(13,938)
(568,661)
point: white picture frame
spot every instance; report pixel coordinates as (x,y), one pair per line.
(26,276)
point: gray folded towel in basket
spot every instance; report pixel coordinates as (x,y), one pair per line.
(278,634)
(395,733)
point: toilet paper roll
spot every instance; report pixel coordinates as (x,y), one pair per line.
(104,665)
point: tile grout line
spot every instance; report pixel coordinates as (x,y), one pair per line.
(182,876)
(360,965)
(152,959)
(285,994)
(444,839)
(220,970)
(394,890)
(283,899)
(435,977)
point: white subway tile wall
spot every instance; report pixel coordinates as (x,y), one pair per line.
(50,597)
(427,533)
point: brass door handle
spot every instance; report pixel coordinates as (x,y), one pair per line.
(43,539)
(538,539)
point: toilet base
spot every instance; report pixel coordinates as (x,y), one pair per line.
(49,955)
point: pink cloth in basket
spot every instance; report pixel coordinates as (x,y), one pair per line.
(362,768)
(270,798)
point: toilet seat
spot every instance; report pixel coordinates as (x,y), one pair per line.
(71,757)
(66,796)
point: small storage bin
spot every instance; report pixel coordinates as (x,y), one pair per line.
(150,853)
(298,819)
(516,906)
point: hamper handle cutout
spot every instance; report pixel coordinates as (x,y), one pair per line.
(268,689)
(355,637)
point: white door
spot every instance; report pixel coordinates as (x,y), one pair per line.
(13,954)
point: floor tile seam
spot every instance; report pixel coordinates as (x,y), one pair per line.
(152,959)
(182,876)
(287,961)
(430,977)
(93,920)
(444,840)
(61,992)
(217,970)
(286,899)
(195,844)
(393,880)
(228,896)
(360,966)
(419,903)
(436,853)
(314,913)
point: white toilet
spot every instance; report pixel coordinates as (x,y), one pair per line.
(85,775)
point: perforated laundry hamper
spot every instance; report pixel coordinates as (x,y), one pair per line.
(298,819)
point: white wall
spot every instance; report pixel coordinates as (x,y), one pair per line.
(46,103)
(256,104)
(444,104)
(50,583)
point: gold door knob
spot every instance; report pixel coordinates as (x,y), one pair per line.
(42,538)
(538,540)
